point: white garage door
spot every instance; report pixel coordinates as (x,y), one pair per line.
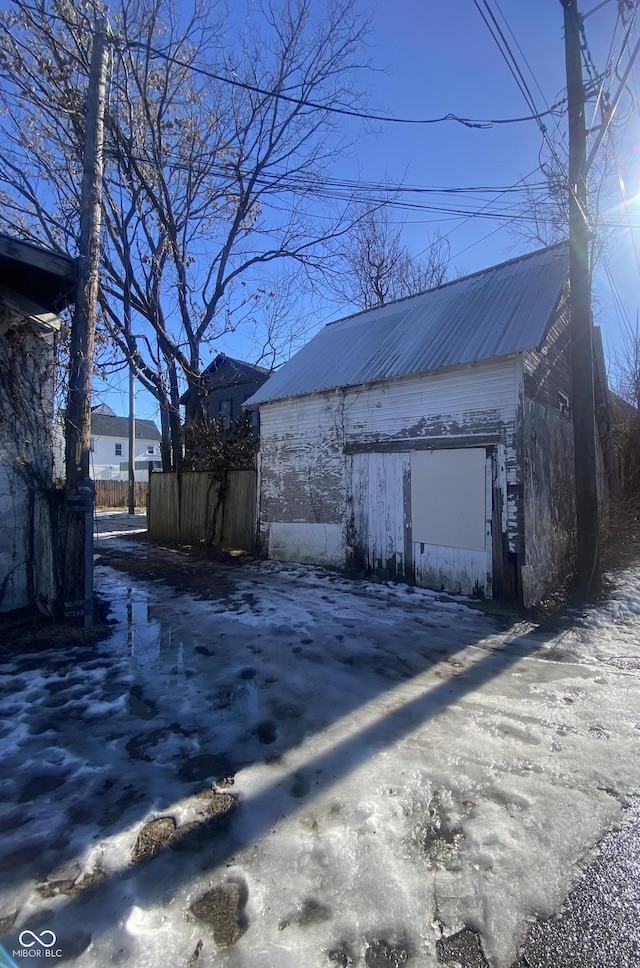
(451,520)
(448,498)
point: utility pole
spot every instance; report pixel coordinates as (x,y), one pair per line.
(131,490)
(79,488)
(588,573)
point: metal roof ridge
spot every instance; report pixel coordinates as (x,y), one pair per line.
(452,282)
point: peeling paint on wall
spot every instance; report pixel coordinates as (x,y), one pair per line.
(342,458)
(309,477)
(316,544)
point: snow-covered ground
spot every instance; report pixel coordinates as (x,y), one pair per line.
(405,766)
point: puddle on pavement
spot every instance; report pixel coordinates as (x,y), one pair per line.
(152,713)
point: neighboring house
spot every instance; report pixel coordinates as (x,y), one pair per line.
(431,439)
(228,383)
(110,447)
(35,285)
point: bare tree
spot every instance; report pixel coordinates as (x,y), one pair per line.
(544,216)
(625,406)
(218,133)
(377,266)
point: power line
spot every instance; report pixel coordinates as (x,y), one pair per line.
(485,123)
(365,192)
(522,54)
(285,182)
(522,181)
(505,50)
(512,63)
(625,201)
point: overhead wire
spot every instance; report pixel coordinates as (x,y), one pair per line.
(509,58)
(617,300)
(493,231)
(522,55)
(556,119)
(482,123)
(365,193)
(625,202)
(514,68)
(599,81)
(333,191)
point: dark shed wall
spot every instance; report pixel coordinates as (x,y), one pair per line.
(237,393)
(549,522)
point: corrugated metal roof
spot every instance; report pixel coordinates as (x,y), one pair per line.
(502,310)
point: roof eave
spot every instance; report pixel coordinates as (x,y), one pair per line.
(369,384)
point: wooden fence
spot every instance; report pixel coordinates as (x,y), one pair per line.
(115,494)
(195,507)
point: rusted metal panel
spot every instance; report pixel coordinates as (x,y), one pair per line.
(501,311)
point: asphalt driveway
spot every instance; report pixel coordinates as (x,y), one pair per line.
(265,765)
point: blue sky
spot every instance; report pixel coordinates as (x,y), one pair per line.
(435,58)
(443,59)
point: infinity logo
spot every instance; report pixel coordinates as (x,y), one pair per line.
(35,939)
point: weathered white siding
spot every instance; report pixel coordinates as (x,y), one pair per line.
(479,398)
(384,539)
(478,401)
(336,470)
(380,538)
(302,479)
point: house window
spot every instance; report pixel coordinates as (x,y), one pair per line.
(225,413)
(92,444)
(118,450)
(151,449)
(563,403)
